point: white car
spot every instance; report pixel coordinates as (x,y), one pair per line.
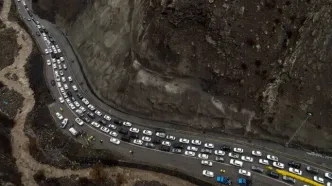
(236,163)
(318,179)
(61,100)
(54,66)
(147,132)
(112,126)
(161,134)
(62,90)
(207,163)
(57,78)
(146,138)
(64,66)
(64,123)
(58,62)
(98,112)
(82,109)
(278,165)
(166,143)
(60,67)
(256,153)
(219,152)
(79,121)
(244,172)
(233,155)
(126,123)
(63,79)
(272,158)
(48,62)
(247,158)
(170,137)
(203,156)
(70,79)
(68,100)
(328,175)
(59,116)
(263,161)
(196,142)
(65,86)
(114,134)
(61,73)
(138,142)
(91,107)
(46,51)
(328,184)
(238,150)
(192,148)
(53,60)
(134,130)
(74,87)
(77,104)
(189,153)
(85,101)
(64,95)
(62,59)
(184,140)
(105,129)
(95,124)
(295,171)
(208,145)
(59,84)
(207,173)
(115,141)
(72,106)
(107,117)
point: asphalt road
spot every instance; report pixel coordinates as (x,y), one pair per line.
(187,165)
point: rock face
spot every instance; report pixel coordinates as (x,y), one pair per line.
(248,68)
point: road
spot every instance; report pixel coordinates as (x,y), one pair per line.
(185,164)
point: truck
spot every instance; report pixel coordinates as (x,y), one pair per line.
(244,182)
(224,180)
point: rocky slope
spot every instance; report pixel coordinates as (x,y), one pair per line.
(248,68)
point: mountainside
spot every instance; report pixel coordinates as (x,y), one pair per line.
(248,68)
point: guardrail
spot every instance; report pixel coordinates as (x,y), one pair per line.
(295,176)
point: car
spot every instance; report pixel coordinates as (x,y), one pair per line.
(207,163)
(257,169)
(91,107)
(37,33)
(166,143)
(263,161)
(170,137)
(95,124)
(192,148)
(107,117)
(238,150)
(147,132)
(295,171)
(311,170)
(53,82)
(178,145)
(105,129)
(81,97)
(70,79)
(54,66)
(138,142)
(48,62)
(219,152)
(184,140)
(206,151)
(329,184)
(165,148)
(207,173)
(98,112)
(247,158)
(196,142)
(60,67)
(46,51)
(57,78)
(91,115)
(289,179)
(294,164)
(73,131)
(61,100)
(62,59)
(278,165)
(256,153)
(64,66)
(86,119)
(62,90)
(273,174)
(133,135)
(134,130)
(112,126)
(102,122)
(73,99)
(76,104)
(244,172)
(189,153)
(123,131)
(74,88)
(219,159)
(114,134)
(233,155)
(318,179)
(64,123)
(225,148)
(85,101)
(208,145)
(82,109)
(149,145)
(64,95)
(161,134)
(68,100)
(65,86)
(79,121)
(146,138)
(58,62)
(236,163)
(176,151)
(115,141)
(79,112)
(59,116)
(203,156)
(127,124)
(328,175)
(272,158)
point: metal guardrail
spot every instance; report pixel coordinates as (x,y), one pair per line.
(297,177)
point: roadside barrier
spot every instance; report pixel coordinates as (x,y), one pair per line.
(301,178)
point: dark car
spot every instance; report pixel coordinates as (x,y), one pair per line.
(157,140)
(289,179)
(52,82)
(206,151)
(86,119)
(117,122)
(91,115)
(149,145)
(134,135)
(294,164)
(225,148)
(79,96)
(177,151)
(69,94)
(312,170)
(178,145)
(125,138)
(102,122)
(123,130)
(273,174)
(219,159)
(37,33)
(257,169)
(165,148)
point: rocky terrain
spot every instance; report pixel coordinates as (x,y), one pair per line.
(250,68)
